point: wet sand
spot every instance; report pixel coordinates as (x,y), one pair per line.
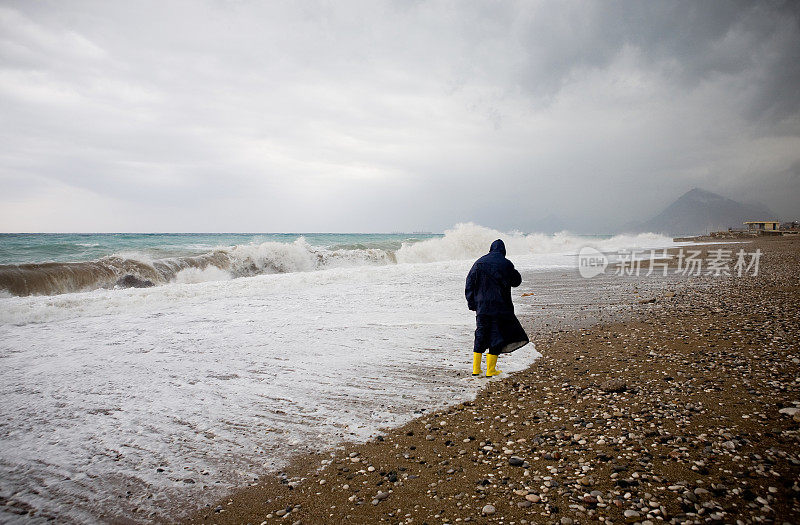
(680,410)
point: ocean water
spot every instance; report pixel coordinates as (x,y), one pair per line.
(144,403)
(17,248)
(47,264)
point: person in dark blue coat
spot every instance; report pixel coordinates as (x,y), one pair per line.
(488,292)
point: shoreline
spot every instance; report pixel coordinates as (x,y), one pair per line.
(641,419)
(170,398)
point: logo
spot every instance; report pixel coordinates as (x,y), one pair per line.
(591,262)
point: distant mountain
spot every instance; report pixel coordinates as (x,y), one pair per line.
(698,211)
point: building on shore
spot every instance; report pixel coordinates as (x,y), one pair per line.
(754,229)
(765,226)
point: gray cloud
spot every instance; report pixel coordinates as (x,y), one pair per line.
(390,115)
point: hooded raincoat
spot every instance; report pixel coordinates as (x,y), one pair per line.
(488,292)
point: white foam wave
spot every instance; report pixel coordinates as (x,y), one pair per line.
(298,256)
(463,242)
(201,275)
(469,241)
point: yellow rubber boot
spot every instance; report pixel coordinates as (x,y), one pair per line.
(491,364)
(476,363)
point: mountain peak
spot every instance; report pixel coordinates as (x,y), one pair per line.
(700,193)
(702,211)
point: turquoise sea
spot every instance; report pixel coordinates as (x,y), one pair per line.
(47,264)
(22,248)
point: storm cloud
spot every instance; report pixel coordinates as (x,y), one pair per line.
(387,116)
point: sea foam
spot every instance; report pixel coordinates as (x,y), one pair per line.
(468,241)
(218,382)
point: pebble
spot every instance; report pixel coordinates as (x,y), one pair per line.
(488,510)
(516,461)
(614,386)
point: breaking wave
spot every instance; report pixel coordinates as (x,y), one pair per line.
(133,269)
(137,270)
(468,241)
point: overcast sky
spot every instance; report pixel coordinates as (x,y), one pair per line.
(389,116)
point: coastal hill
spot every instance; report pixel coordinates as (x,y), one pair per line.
(699,211)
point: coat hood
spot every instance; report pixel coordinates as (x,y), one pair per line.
(498,246)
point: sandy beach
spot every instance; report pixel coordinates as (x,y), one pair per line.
(679,407)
